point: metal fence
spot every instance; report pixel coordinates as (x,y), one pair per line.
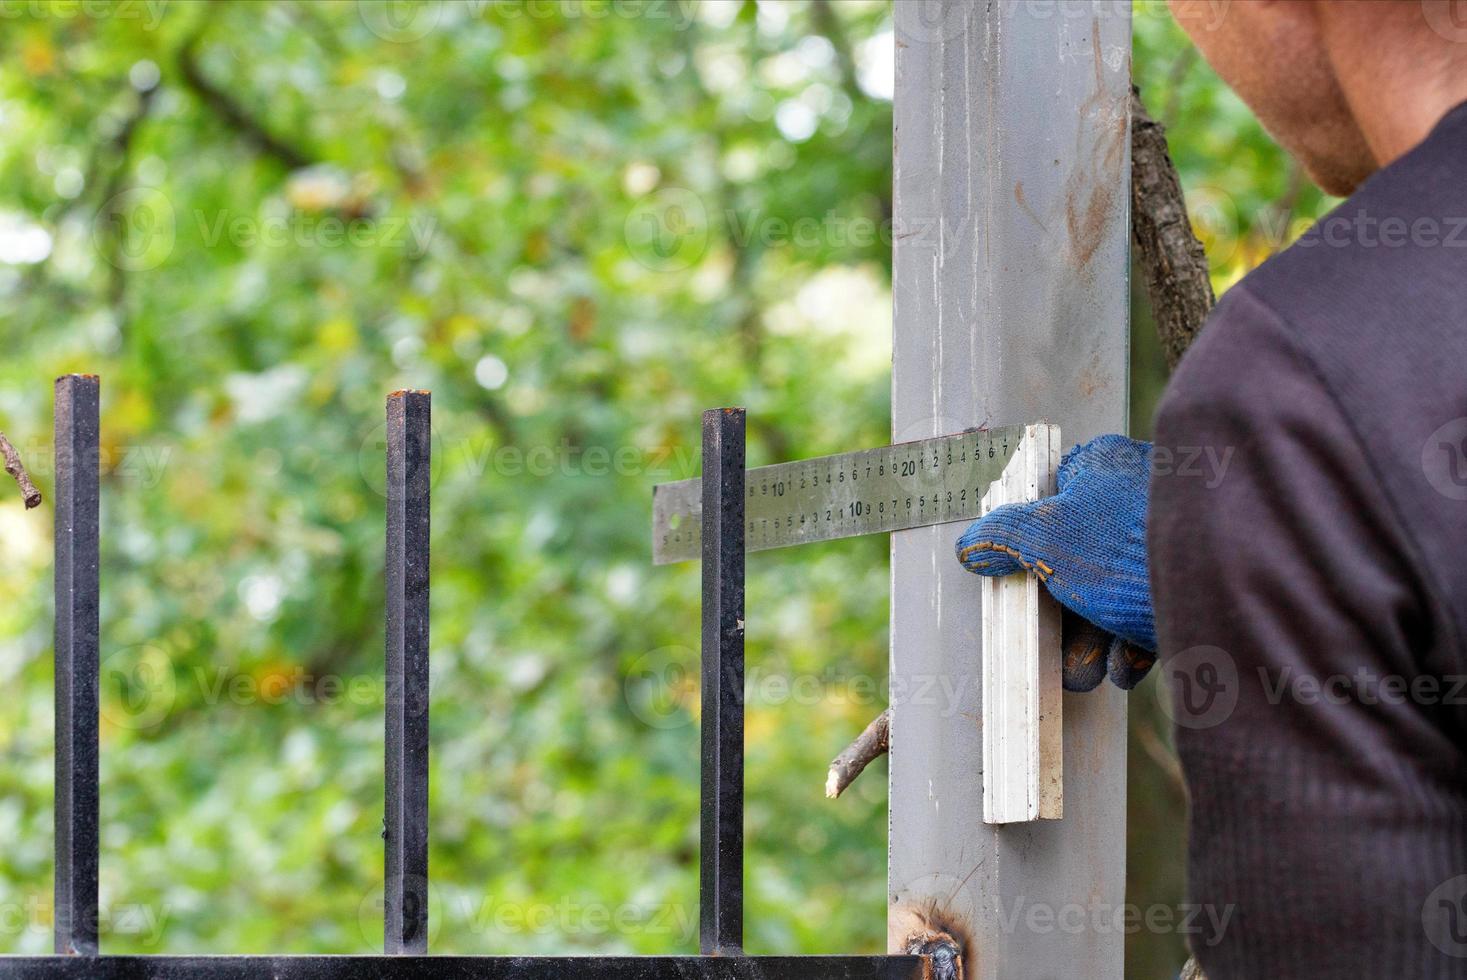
(408,463)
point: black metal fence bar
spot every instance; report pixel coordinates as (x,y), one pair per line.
(409,479)
(463,968)
(721,920)
(77,588)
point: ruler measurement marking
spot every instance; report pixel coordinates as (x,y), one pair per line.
(916,484)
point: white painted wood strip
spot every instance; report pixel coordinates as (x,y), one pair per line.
(1023,749)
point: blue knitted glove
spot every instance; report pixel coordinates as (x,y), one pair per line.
(1087,544)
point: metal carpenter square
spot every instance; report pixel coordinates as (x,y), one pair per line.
(910,484)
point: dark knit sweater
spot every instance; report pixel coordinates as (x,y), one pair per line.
(1308,539)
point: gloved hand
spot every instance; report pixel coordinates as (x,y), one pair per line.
(1087,544)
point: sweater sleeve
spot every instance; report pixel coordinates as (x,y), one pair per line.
(1290,616)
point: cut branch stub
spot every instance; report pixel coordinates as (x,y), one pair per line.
(17,470)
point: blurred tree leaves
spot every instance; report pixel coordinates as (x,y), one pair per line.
(579,223)
(254,220)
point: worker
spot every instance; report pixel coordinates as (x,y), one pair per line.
(1302,565)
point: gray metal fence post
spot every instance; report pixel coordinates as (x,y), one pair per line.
(1011,304)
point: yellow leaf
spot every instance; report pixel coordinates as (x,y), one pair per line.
(337,336)
(37,55)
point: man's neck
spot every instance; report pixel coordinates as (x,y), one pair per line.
(1399,75)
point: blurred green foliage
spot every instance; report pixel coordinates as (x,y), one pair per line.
(565,220)
(578,224)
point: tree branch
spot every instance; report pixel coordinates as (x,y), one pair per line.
(827,22)
(223,105)
(16,469)
(1169,254)
(872,744)
(1177,280)
(116,183)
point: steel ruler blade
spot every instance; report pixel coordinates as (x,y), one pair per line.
(909,484)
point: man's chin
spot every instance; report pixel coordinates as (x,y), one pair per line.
(1338,175)
(1331,150)
(1336,181)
